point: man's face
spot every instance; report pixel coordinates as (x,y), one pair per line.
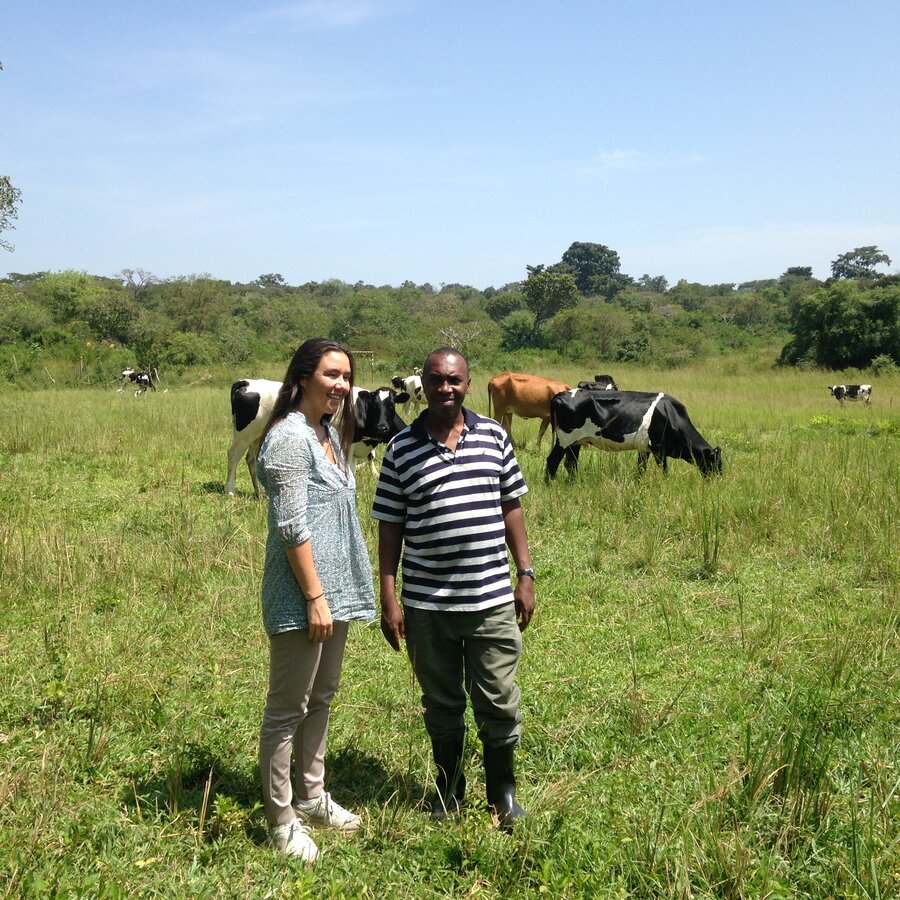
(445,384)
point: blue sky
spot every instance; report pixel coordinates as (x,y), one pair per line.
(385,140)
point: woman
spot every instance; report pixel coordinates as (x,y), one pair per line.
(317,579)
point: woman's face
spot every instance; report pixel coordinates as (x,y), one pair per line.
(324,390)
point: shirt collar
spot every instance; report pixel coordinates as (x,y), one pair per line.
(470,421)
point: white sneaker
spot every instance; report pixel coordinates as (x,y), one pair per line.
(326,812)
(294,840)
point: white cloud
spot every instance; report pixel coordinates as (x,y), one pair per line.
(629,160)
(324,14)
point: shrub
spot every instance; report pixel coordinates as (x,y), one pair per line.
(882,365)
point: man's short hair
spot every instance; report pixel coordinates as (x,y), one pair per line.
(445,351)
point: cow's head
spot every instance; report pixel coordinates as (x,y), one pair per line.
(606,381)
(376,415)
(710,461)
(127,373)
(837,390)
(398,382)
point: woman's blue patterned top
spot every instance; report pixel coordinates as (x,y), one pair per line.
(311,498)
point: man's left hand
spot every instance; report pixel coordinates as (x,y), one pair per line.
(524,597)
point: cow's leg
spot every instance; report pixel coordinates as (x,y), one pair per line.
(661,458)
(506,425)
(571,458)
(251,465)
(541,430)
(553,461)
(235,452)
(372,469)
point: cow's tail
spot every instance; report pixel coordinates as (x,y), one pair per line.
(490,416)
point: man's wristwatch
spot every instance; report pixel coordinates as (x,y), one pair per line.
(528,572)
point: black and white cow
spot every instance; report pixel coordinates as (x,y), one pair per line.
(141,381)
(252,401)
(627,420)
(607,380)
(600,383)
(376,421)
(842,392)
(412,386)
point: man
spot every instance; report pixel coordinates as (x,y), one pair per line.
(448,498)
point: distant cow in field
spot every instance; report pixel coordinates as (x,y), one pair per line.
(141,381)
(600,383)
(412,386)
(654,424)
(842,392)
(252,401)
(527,396)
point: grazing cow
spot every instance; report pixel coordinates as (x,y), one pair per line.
(527,396)
(842,392)
(600,383)
(606,380)
(412,386)
(252,402)
(627,420)
(141,381)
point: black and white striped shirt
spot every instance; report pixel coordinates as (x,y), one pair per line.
(454,555)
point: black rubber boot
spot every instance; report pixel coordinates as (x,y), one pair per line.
(450,782)
(500,781)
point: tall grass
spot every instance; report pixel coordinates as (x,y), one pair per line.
(710,684)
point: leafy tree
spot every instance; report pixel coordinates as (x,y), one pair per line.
(20,318)
(68,294)
(593,329)
(518,330)
(10,197)
(798,272)
(845,323)
(594,267)
(198,303)
(273,279)
(501,303)
(657,285)
(369,319)
(546,294)
(187,348)
(859,263)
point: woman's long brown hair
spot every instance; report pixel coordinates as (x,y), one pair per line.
(304,364)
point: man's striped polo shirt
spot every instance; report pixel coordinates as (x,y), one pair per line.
(454,555)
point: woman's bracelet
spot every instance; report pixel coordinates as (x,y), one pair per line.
(310,599)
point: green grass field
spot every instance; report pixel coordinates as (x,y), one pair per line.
(711,684)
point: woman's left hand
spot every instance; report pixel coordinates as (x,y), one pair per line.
(321,625)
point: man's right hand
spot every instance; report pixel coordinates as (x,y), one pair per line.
(392,626)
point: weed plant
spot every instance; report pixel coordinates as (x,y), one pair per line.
(710,685)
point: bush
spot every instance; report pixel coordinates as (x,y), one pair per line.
(882,365)
(187,349)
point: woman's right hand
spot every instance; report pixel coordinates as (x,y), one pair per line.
(321,625)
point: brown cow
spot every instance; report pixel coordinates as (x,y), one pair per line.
(528,396)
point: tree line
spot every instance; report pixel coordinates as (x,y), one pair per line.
(582,308)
